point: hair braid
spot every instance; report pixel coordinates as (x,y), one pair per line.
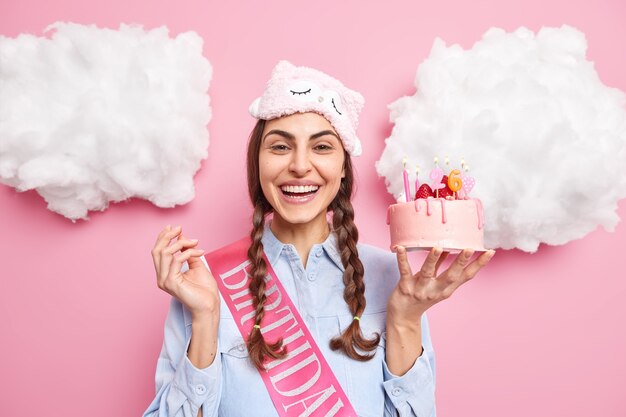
(354,292)
(258,348)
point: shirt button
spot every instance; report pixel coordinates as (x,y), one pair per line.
(311,277)
(241,348)
(318,253)
(396,391)
(200,389)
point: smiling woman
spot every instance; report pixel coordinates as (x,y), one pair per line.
(309,321)
(301,164)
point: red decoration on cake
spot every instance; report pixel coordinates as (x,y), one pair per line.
(424,192)
(446,192)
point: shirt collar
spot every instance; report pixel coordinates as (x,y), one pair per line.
(274,247)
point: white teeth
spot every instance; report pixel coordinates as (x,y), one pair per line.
(299,188)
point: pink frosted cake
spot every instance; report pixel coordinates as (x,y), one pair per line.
(443,216)
(427,222)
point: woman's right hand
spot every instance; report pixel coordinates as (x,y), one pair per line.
(195,288)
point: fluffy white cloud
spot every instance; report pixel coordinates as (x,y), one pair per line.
(544,137)
(91,115)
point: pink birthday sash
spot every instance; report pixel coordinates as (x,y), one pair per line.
(302,384)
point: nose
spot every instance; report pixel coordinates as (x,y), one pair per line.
(300,163)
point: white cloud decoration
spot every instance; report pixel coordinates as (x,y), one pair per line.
(91,115)
(544,137)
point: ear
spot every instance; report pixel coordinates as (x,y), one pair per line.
(253,109)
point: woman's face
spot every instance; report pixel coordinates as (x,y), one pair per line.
(300,166)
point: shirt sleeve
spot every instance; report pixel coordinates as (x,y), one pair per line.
(181,388)
(413,394)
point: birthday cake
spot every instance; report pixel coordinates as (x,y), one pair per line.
(443,215)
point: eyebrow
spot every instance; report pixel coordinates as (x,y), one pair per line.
(290,136)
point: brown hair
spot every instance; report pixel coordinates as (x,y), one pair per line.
(347,237)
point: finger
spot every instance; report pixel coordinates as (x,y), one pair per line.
(195,260)
(166,257)
(428,267)
(156,256)
(455,271)
(180,258)
(182,244)
(473,268)
(163,240)
(162,232)
(183,238)
(403,263)
(440,261)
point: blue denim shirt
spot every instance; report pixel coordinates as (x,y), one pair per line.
(232,387)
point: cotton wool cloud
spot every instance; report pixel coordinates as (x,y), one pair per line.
(91,115)
(544,138)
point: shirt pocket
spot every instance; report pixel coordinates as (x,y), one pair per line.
(231,341)
(365,378)
(241,382)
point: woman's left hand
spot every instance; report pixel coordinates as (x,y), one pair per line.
(414,294)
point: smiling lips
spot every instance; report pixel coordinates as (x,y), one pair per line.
(299,193)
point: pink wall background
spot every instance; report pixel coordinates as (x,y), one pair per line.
(81,315)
